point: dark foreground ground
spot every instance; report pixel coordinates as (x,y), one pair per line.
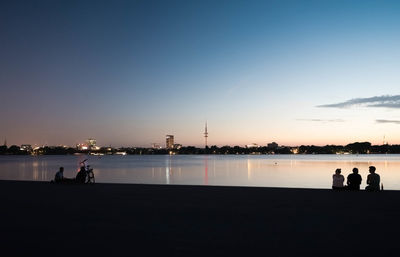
(44,219)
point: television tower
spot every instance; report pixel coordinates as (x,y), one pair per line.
(205,135)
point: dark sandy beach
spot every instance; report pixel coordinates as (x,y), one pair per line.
(44,219)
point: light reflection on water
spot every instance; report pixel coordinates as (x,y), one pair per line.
(304,171)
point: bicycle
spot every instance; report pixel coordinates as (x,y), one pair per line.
(89,178)
(89,175)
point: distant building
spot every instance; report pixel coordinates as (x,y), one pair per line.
(272,145)
(156,146)
(82,147)
(27,148)
(169,142)
(91,143)
(253,145)
(294,150)
(177,146)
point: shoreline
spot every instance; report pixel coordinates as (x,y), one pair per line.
(182,220)
(209,154)
(188,185)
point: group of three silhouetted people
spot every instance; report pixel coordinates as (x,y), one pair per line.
(354,180)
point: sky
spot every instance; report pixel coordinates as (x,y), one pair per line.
(127,73)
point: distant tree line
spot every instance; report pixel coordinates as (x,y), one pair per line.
(12,150)
(46,150)
(353,148)
(209,150)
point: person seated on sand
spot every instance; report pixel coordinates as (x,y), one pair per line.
(81,176)
(59,177)
(338,180)
(354,180)
(373,180)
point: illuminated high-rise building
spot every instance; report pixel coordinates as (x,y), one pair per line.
(169,141)
(91,144)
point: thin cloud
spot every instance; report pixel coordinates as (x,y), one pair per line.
(388,121)
(387,105)
(322,120)
(385,101)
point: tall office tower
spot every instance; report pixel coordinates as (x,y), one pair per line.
(169,141)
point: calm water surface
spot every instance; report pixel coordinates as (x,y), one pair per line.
(301,171)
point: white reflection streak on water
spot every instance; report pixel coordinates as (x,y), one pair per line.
(206,170)
(227,168)
(167,170)
(43,174)
(249,174)
(35,165)
(214,168)
(22,168)
(43,165)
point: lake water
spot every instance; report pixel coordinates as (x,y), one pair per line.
(299,171)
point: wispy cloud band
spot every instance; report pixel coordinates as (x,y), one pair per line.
(322,120)
(388,121)
(386,101)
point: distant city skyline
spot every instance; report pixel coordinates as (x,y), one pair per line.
(91,144)
(127,73)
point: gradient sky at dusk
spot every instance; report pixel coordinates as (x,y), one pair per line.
(129,72)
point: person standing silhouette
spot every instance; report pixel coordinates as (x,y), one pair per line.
(373,180)
(354,180)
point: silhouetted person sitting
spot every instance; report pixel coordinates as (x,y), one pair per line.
(59,177)
(373,180)
(81,176)
(354,180)
(338,180)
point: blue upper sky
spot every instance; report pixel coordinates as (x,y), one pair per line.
(130,72)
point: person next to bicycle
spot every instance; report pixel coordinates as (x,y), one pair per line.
(81,176)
